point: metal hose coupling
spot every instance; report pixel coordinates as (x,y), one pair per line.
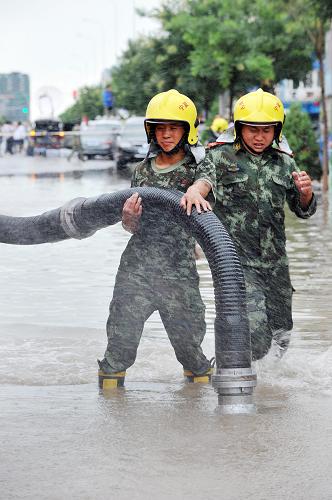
(235,387)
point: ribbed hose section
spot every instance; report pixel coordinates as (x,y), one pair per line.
(45,228)
(232,337)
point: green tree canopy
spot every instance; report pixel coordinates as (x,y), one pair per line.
(152,65)
(324,8)
(221,41)
(206,47)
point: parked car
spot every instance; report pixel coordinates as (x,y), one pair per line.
(98,138)
(131,144)
(45,134)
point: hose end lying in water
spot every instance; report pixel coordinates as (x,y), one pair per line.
(235,387)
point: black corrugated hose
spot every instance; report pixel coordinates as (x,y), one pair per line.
(83,216)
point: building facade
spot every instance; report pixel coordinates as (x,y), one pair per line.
(15,96)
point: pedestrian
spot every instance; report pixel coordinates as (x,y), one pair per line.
(157,271)
(255,177)
(108,100)
(19,136)
(10,138)
(7,138)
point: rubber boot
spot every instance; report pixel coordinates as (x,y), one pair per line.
(111,380)
(204,378)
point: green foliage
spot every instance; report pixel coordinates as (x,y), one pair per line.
(154,65)
(315,17)
(89,103)
(207,46)
(298,130)
(323,9)
(282,38)
(221,38)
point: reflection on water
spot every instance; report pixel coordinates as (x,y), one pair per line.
(158,437)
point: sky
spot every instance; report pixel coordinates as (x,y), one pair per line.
(65,44)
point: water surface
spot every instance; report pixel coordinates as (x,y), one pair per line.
(159,437)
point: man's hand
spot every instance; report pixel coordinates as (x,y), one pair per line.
(131,213)
(195,197)
(304,186)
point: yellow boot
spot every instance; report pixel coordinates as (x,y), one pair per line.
(111,380)
(204,378)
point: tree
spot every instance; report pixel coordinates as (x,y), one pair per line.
(282,38)
(220,39)
(174,57)
(89,103)
(324,7)
(155,64)
(298,130)
(206,47)
(315,17)
(239,45)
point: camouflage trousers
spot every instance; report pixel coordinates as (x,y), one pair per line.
(269,304)
(181,310)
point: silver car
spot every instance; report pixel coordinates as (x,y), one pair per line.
(131,145)
(98,138)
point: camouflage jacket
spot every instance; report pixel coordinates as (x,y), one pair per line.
(251,194)
(161,247)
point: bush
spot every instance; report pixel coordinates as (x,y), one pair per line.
(300,134)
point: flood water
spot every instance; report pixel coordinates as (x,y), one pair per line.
(158,438)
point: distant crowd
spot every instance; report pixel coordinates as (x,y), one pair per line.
(13,137)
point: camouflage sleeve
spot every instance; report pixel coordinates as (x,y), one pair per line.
(136,177)
(134,181)
(293,198)
(206,171)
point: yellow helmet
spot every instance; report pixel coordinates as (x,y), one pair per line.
(219,125)
(259,108)
(175,107)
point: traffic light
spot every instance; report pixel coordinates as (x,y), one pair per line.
(25,110)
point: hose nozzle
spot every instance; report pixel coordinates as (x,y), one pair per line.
(235,387)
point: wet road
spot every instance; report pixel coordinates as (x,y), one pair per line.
(157,438)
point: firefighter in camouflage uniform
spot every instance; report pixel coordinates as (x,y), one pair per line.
(157,271)
(256,175)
